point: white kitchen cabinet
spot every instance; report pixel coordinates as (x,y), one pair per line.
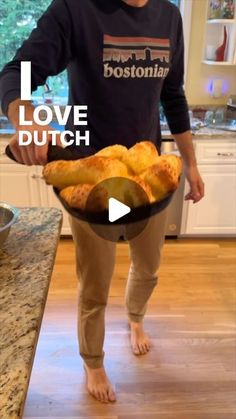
(18,185)
(215,214)
(23,186)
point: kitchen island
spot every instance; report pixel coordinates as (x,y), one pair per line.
(26,264)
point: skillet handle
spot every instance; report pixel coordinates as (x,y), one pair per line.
(54,153)
(58,153)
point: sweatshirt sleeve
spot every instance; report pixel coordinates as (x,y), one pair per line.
(48,48)
(173,97)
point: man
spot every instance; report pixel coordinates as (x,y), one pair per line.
(123,58)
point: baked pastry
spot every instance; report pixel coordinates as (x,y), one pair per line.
(142,198)
(90,170)
(163,177)
(77,197)
(131,190)
(141,156)
(114,151)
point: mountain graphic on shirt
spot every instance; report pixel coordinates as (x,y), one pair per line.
(123,49)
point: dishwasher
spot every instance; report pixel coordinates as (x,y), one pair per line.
(175,207)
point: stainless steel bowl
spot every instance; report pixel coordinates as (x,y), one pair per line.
(8,216)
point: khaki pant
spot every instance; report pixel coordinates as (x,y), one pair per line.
(95,260)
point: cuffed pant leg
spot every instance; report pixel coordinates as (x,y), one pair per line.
(95,260)
(145,252)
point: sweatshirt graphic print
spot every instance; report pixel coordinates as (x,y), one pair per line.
(135,51)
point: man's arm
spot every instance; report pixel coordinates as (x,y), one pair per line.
(176,110)
(49,50)
(185,146)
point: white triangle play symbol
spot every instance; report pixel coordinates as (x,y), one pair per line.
(117,210)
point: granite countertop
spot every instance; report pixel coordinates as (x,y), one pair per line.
(213,132)
(202,133)
(26,263)
(207,132)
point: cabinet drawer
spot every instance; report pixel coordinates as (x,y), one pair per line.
(217,153)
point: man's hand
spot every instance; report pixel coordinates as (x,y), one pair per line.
(195,181)
(31,154)
(28,154)
(185,146)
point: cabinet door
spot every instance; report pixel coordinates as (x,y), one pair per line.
(215,214)
(19,185)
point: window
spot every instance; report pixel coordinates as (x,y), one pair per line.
(17,19)
(177,2)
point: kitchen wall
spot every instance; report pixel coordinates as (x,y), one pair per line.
(199,74)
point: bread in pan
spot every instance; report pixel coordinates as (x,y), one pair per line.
(90,170)
(114,151)
(163,177)
(77,197)
(157,176)
(141,156)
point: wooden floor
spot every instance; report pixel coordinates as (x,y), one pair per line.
(190,372)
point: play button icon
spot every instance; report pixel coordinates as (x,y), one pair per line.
(116,210)
(120,197)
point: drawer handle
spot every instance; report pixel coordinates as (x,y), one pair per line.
(34,176)
(225,154)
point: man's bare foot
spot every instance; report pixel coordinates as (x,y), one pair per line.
(99,385)
(140,342)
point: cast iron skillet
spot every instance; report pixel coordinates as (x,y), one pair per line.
(135,215)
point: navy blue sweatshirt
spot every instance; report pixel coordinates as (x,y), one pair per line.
(122,62)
